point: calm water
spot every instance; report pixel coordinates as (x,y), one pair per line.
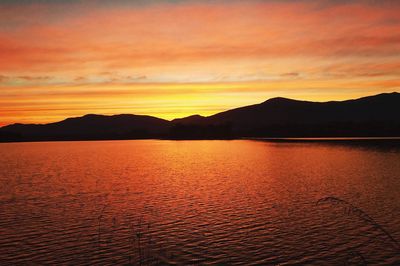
(207,202)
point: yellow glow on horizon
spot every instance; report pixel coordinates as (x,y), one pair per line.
(174,59)
(169,101)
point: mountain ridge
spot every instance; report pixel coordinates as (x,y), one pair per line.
(376,115)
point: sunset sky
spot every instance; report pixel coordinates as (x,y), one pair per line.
(176,58)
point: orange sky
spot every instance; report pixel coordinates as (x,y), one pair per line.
(176,58)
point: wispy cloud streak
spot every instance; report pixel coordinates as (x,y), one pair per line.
(73,49)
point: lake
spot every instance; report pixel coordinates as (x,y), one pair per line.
(233,202)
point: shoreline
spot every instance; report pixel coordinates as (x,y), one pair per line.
(266,139)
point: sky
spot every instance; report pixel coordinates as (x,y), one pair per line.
(172,59)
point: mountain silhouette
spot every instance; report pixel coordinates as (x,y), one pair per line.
(280,117)
(90,127)
(277,117)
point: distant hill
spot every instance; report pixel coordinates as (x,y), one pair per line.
(90,127)
(377,115)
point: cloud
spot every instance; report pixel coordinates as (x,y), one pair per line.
(25,79)
(80,79)
(97,54)
(3,78)
(34,78)
(290,74)
(196,31)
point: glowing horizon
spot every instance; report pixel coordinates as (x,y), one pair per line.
(171,59)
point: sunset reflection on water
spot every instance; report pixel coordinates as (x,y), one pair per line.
(181,202)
